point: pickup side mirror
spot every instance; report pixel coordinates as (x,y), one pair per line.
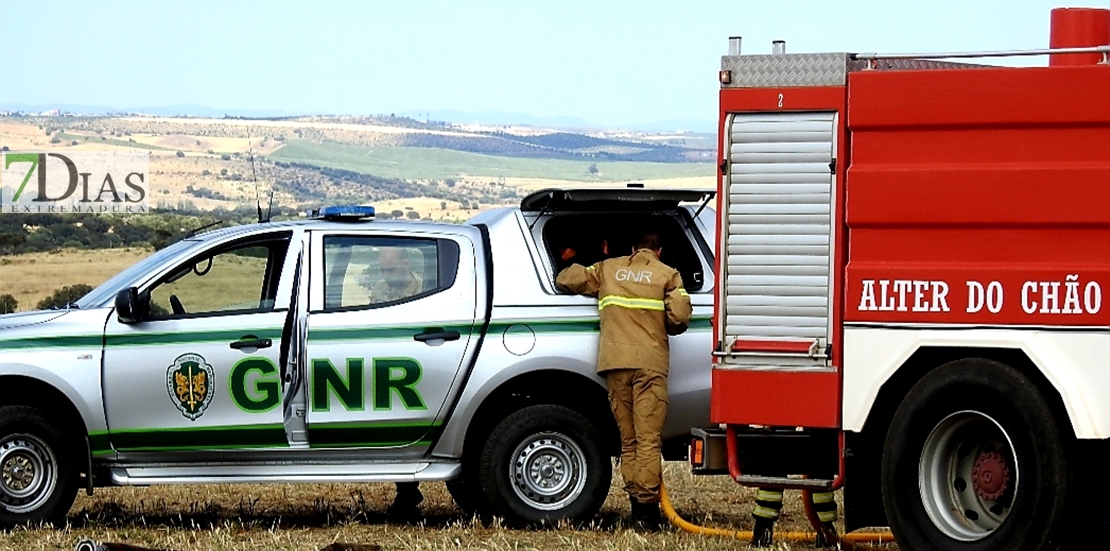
(130,306)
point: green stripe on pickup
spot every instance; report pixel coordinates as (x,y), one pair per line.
(318,335)
(195,337)
(579,326)
(368,435)
(380,333)
(333,435)
(99,443)
(701,323)
(68,341)
(201,438)
(562,326)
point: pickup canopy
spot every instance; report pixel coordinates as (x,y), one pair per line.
(611,199)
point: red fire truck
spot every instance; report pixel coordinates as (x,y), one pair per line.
(913,257)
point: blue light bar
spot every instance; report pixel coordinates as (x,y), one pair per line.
(344,213)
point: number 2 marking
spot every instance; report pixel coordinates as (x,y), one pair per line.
(780,100)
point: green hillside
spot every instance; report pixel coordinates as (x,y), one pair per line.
(439,164)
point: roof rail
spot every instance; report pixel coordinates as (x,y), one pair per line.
(1104,50)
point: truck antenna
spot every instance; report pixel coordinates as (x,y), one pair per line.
(254,177)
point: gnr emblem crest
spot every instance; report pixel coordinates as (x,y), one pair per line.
(189,380)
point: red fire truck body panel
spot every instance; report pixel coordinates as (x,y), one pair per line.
(981,194)
(777,399)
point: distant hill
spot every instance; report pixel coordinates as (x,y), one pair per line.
(488,117)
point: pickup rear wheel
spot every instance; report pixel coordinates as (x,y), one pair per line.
(543,464)
(975,460)
(38,482)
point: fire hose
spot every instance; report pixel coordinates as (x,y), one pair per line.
(847,541)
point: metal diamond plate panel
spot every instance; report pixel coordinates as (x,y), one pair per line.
(908,65)
(786,70)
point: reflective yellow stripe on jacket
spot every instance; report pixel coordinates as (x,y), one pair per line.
(630,302)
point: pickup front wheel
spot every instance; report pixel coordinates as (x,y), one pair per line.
(37,480)
(543,464)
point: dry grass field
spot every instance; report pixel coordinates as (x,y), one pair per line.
(309,517)
(33,277)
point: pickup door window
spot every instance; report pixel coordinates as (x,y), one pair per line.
(389,326)
(201,374)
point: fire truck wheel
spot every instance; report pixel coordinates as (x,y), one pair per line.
(38,481)
(543,464)
(975,460)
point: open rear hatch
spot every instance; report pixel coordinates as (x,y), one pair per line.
(612,199)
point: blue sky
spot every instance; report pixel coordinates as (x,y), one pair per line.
(612,63)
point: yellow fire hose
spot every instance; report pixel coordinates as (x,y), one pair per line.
(847,541)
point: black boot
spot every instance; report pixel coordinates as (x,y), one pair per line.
(404,506)
(824,541)
(763,535)
(645,516)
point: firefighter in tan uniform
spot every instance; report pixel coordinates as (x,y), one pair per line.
(641,301)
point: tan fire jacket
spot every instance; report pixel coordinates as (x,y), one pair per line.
(641,301)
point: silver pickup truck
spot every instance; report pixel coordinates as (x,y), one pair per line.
(278,352)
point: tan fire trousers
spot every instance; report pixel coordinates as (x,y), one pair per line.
(639,401)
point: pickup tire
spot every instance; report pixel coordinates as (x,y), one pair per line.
(38,476)
(543,464)
(976,460)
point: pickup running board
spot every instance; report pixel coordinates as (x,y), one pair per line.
(146,475)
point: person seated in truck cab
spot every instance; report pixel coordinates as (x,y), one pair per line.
(398,281)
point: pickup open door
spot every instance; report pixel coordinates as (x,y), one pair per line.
(390,328)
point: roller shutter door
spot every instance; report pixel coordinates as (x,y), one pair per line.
(780,191)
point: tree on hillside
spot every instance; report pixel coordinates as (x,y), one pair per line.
(397,213)
(412,215)
(443,205)
(592,169)
(180,153)
(63,296)
(8,304)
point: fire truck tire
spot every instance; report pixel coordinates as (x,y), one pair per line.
(975,460)
(38,479)
(543,464)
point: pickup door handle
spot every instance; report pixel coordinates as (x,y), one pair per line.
(436,334)
(247,342)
